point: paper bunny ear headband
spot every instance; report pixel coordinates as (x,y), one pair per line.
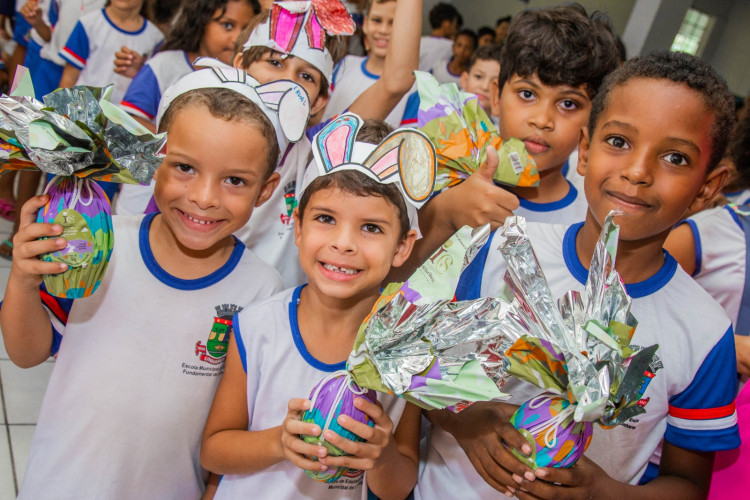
(299,29)
(405,158)
(284,102)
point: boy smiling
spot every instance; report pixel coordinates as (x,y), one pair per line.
(636,158)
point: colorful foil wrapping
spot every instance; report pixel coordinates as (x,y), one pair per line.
(578,347)
(460,129)
(331,397)
(77,135)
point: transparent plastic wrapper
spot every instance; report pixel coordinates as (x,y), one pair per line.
(460,129)
(576,349)
(77,135)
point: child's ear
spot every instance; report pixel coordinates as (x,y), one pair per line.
(713,183)
(404,248)
(464,79)
(237,63)
(495,98)
(320,103)
(297,226)
(266,189)
(583,151)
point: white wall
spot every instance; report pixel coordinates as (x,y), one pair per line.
(478,13)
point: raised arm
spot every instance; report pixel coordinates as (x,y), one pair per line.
(401,60)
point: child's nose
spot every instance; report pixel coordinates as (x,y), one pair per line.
(638,170)
(343,239)
(204,194)
(542,117)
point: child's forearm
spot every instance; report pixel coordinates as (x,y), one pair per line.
(26,327)
(401,60)
(69,76)
(43,31)
(242,452)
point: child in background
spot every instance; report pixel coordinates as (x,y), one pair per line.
(90,50)
(353,74)
(133,379)
(482,71)
(351,229)
(542,98)
(41,16)
(449,70)
(502,25)
(485,36)
(271,233)
(47,76)
(444,22)
(203,28)
(637,158)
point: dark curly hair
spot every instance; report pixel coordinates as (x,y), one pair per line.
(739,147)
(561,45)
(443,12)
(189,24)
(683,68)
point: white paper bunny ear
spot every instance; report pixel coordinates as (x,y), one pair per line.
(406,157)
(334,145)
(284,102)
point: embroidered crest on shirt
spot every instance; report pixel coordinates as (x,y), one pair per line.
(215,349)
(290,202)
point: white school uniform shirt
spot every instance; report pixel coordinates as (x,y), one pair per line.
(433,48)
(67,18)
(443,74)
(92,46)
(689,402)
(738,197)
(720,256)
(351,79)
(157,75)
(570,209)
(279,367)
(270,231)
(132,385)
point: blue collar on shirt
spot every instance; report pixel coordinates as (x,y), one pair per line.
(635,290)
(552,206)
(179,283)
(367,73)
(301,347)
(136,32)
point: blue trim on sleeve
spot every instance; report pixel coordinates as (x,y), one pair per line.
(715,383)
(53,14)
(635,290)
(300,344)
(179,283)
(710,440)
(144,93)
(368,74)
(697,244)
(651,473)
(136,32)
(238,339)
(470,282)
(411,110)
(78,45)
(567,200)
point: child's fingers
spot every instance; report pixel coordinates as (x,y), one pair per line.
(298,405)
(30,209)
(301,447)
(40,267)
(358,448)
(298,427)
(487,169)
(33,249)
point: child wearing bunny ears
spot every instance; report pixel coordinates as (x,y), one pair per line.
(138,361)
(354,222)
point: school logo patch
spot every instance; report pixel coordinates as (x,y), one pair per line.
(215,349)
(290,201)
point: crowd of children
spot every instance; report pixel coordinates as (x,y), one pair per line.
(268,218)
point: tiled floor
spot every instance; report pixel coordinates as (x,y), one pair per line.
(21,392)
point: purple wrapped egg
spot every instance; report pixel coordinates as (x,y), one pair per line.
(556,439)
(82,209)
(331,397)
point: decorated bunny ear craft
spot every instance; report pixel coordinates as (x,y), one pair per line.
(300,28)
(284,102)
(405,158)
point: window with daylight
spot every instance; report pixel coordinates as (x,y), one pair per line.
(693,33)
